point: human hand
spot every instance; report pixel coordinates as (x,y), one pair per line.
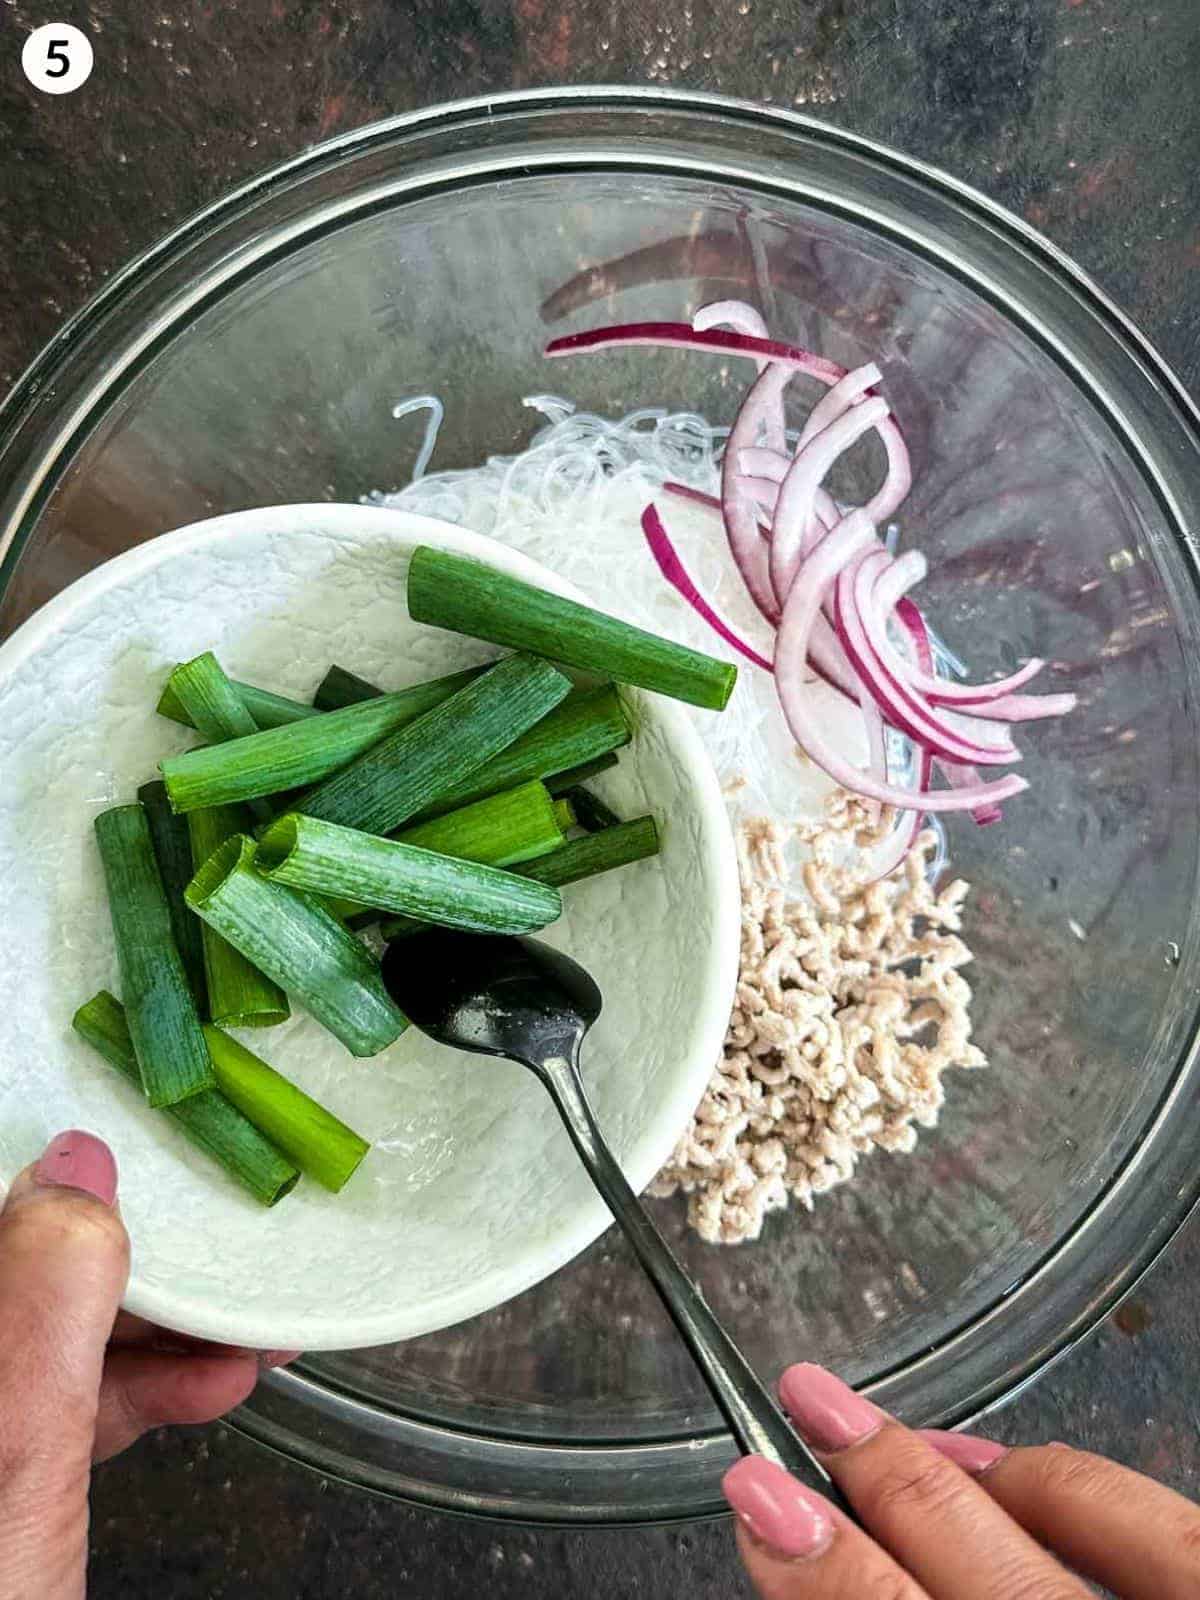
(951,1517)
(80,1381)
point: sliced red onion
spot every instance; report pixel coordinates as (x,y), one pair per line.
(956,776)
(761,463)
(913,623)
(743,318)
(828,659)
(895,486)
(821,568)
(903,836)
(903,708)
(1022,707)
(673,570)
(827,584)
(686,492)
(791,533)
(959,777)
(877,764)
(741,520)
(894,582)
(736,314)
(763,494)
(845,393)
(679,336)
(922,646)
(995,701)
(759,490)
(773,468)
(852,390)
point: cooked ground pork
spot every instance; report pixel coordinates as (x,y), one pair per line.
(850,1006)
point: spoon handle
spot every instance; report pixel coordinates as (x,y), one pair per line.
(756,1422)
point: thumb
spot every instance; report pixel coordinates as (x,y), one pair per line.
(64,1262)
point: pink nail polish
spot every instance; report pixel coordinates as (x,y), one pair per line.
(276,1358)
(78,1160)
(781,1513)
(965,1450)
(826,1411)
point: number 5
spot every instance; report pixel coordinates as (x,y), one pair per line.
(58,62)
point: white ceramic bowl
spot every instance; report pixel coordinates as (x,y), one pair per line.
(472,1192)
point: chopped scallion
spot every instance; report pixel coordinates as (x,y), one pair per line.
(323,858)
(268,710)
(588,724)
(173,852)
(457,592)
(340,688)
(318,1142)
(417,765)
(298,754)
(298,943)
(239,995)
(207,1120)
(163,1021)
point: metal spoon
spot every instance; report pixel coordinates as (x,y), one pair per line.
(519,998)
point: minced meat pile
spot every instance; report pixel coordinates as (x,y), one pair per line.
(850,1006)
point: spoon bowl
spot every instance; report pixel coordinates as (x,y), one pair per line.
(492,995)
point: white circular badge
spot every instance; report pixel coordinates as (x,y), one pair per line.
(57,58)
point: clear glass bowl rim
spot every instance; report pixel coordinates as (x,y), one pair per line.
(57,401)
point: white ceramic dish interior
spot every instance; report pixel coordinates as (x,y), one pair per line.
(472,1192)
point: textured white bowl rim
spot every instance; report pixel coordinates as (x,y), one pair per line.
(202,1318)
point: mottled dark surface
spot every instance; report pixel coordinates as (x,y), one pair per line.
(1079,114)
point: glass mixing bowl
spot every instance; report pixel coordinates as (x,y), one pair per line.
(254,357)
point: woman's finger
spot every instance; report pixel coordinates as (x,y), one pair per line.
(795,1546)
(1122,1530)
(64,1261)
(145,1389)
(929,1515)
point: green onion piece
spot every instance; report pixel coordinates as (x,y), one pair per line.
(515,825)
(217,710)
(239,995)
(596,852)
(564,815)
(417,765)
(340,688)
(590,811)
(323,858)
(163,1021)
(208,1120)
(299,944)
(299,754)
(561,782)
(505,828)
(268,710)
(318,1142)
(173,852)
(587,724)
(214,706)
(453,591)
(578,858)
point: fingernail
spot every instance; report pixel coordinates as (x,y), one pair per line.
(973,1455)
(826,1411)
(781,1513)
(78,1160)
(276,1358)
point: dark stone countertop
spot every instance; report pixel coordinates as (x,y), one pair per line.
(1080,115)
